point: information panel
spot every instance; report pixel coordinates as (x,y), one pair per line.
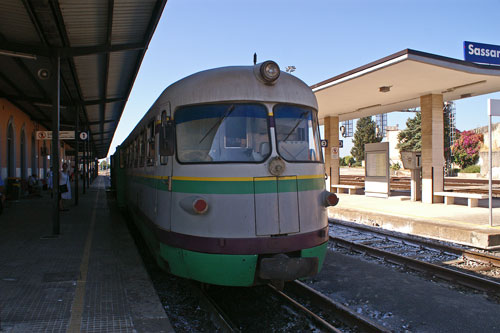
(377,175)
(376,164)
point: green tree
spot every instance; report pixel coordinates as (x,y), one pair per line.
(104,165)
(410,139)
(466,149)
(347,161)
(365,133)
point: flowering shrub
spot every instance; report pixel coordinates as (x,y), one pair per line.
(466,149)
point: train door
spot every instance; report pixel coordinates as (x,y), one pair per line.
(164,169)
(276,205)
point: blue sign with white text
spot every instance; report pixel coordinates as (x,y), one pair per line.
(482,53)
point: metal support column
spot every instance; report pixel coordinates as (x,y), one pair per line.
(77,141)
(56,94)
(83,165)
(88,165)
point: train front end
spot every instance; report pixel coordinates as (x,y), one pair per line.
(248,198)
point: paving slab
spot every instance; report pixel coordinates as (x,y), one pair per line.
(90,278)
(455,223)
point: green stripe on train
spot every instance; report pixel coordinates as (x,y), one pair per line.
(234,187)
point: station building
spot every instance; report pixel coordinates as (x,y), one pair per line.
(21,154)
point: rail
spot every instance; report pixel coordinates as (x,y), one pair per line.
(445,273)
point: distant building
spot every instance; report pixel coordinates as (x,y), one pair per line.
(483,152)
(392,137)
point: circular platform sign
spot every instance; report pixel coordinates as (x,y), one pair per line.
(83,135)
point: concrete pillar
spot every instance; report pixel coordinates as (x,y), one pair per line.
(331,159)
(432,147)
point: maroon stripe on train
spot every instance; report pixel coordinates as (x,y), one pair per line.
(254,245)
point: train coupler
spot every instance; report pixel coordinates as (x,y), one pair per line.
(282,267)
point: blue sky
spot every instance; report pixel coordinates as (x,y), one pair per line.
(322,38)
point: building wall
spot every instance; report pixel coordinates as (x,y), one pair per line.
(10,114)
(484,151)
(394,155)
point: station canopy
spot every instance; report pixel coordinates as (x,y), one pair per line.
(101,45)
(396,83)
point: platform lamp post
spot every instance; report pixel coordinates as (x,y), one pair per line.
(493,110)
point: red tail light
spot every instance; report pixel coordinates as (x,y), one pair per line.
(200,206)
(331,199)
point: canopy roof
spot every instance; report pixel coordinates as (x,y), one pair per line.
(101,45)
(397,82)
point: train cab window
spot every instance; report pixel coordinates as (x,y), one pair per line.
(151,144)
(297,133)
(216,133)
(166,138)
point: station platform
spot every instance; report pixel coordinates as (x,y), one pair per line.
(90,278)
(453,223)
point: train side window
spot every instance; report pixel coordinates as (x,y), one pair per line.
(122,158)
(128,156)
(167,135)
(136,153)
(151,143)
(142,149)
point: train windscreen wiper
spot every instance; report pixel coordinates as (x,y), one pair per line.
(296,125)
(217,124)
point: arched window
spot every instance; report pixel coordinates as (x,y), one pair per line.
(22,151)
(34,160)
(11,158)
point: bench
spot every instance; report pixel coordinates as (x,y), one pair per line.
(350,188)
(472,198)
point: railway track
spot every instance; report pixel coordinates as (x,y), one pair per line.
(218,316)
(330,309)
(458,265)
(312,310)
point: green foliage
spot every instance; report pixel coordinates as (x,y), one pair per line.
(103,165)
(395,166)
(410,139)
(347,161)
(365,133)
(357,164)
(471,169)
(466,148)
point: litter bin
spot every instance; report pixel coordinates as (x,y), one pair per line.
(14,188)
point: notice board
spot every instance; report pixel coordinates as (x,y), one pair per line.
(377,175)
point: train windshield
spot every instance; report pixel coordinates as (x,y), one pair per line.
(297,133)
(211,133)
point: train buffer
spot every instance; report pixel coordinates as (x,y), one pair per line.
(351,189)
(472,198)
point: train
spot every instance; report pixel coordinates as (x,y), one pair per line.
(225,179)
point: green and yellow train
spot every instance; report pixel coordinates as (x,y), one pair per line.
(224,177)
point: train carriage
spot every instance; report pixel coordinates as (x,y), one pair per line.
(225,178)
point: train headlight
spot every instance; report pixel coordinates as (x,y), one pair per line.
(330,199)
(268,71)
